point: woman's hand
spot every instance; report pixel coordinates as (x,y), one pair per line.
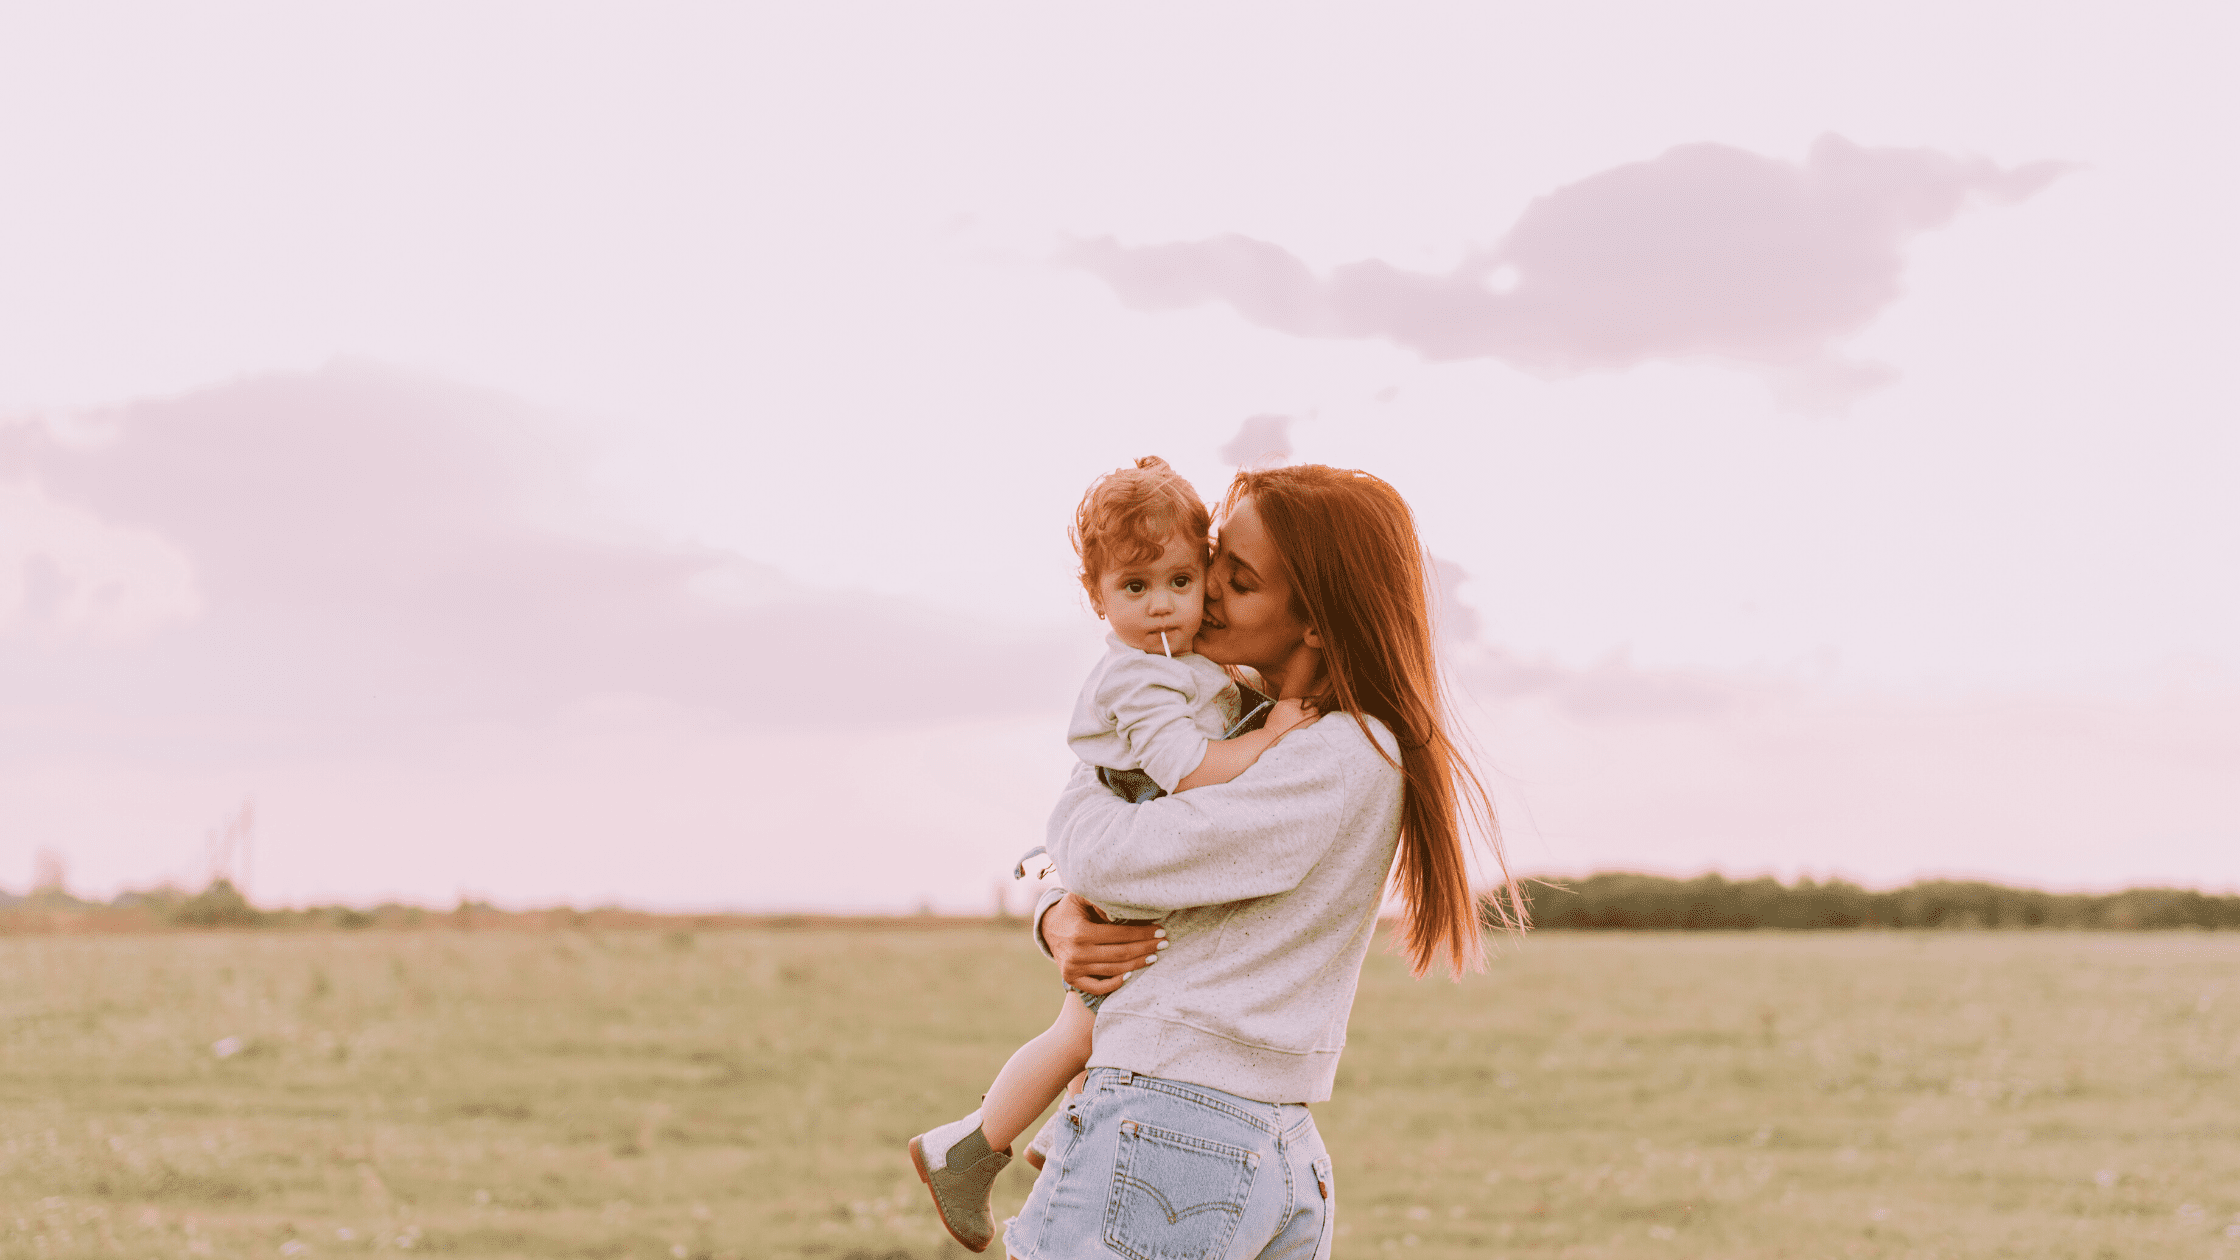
(1096,957)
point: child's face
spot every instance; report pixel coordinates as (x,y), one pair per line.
(1166,594)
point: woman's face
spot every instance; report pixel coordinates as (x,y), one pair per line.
(1248,615)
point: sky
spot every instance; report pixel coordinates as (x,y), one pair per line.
(577,453)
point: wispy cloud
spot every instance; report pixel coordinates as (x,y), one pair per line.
(65,573)
(1706,250)
(340,554)
(1261,441)
(375,603)
(385,607)
(1618,765)
(1663,770)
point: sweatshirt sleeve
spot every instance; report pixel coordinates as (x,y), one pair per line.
(1150,700)
(1050,897)
(1257,835)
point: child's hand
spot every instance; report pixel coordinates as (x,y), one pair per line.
(1289,715)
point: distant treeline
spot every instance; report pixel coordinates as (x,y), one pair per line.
(221,905)
(1612,901)
(1710,902)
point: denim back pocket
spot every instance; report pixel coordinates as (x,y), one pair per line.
(1174,1196)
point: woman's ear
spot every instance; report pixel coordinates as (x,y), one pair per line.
(1314,638)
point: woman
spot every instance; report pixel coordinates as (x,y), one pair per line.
(1193,1137)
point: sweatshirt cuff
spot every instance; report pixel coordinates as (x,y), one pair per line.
(1166,764)
(1049,898)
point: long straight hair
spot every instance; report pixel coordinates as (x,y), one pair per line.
(1358,577)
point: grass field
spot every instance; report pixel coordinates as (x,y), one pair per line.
(748,1093)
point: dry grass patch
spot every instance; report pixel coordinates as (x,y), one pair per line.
(747,1093)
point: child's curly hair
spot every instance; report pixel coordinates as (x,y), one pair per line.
(1127,517)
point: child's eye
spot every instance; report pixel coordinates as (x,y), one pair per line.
(1182,581)
(1133,588)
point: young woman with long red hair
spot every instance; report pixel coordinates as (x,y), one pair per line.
(1193,1136)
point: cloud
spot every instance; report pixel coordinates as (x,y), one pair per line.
(1704,251)
(1613,689)
(1619,768)
(1260,441)
(386,609)
(383,607)
(66,573)
(356,555)
(1458,622)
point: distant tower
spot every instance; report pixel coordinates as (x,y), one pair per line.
(230,845)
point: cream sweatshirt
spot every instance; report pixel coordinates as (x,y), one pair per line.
(1268,887)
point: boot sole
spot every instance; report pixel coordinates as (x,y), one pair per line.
(918,1161)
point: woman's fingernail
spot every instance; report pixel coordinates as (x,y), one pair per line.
(1159,932)
(1164,944)
(1124,976)
(1149,959)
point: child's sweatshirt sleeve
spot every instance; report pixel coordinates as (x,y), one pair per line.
(1255,836)
(1150,699)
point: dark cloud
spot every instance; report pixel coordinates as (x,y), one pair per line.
(1707,250)
(373,554)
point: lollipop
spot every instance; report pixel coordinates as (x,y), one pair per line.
(1168,646)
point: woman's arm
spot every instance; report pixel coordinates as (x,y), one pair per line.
(1092,955)
(1253,837)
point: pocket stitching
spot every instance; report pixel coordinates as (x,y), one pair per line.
(1245,1162)
(1243,1154)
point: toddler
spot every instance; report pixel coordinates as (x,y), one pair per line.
(1155,718)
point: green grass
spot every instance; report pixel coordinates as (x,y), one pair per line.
(748,1093)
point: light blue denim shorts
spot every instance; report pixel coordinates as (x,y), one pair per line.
(1151,1169)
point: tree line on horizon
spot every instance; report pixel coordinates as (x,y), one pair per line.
(1608,901)
(221,904)
(1619,900)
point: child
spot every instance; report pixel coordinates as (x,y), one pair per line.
(1152,717)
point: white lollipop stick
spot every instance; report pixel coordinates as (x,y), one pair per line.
(1168,646)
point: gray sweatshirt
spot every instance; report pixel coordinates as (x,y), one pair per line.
(1268,887)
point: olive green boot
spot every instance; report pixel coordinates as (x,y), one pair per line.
(958,1167)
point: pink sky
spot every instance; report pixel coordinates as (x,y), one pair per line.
(627,455)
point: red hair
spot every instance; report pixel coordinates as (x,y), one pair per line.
(1128,516)
(1358,577)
